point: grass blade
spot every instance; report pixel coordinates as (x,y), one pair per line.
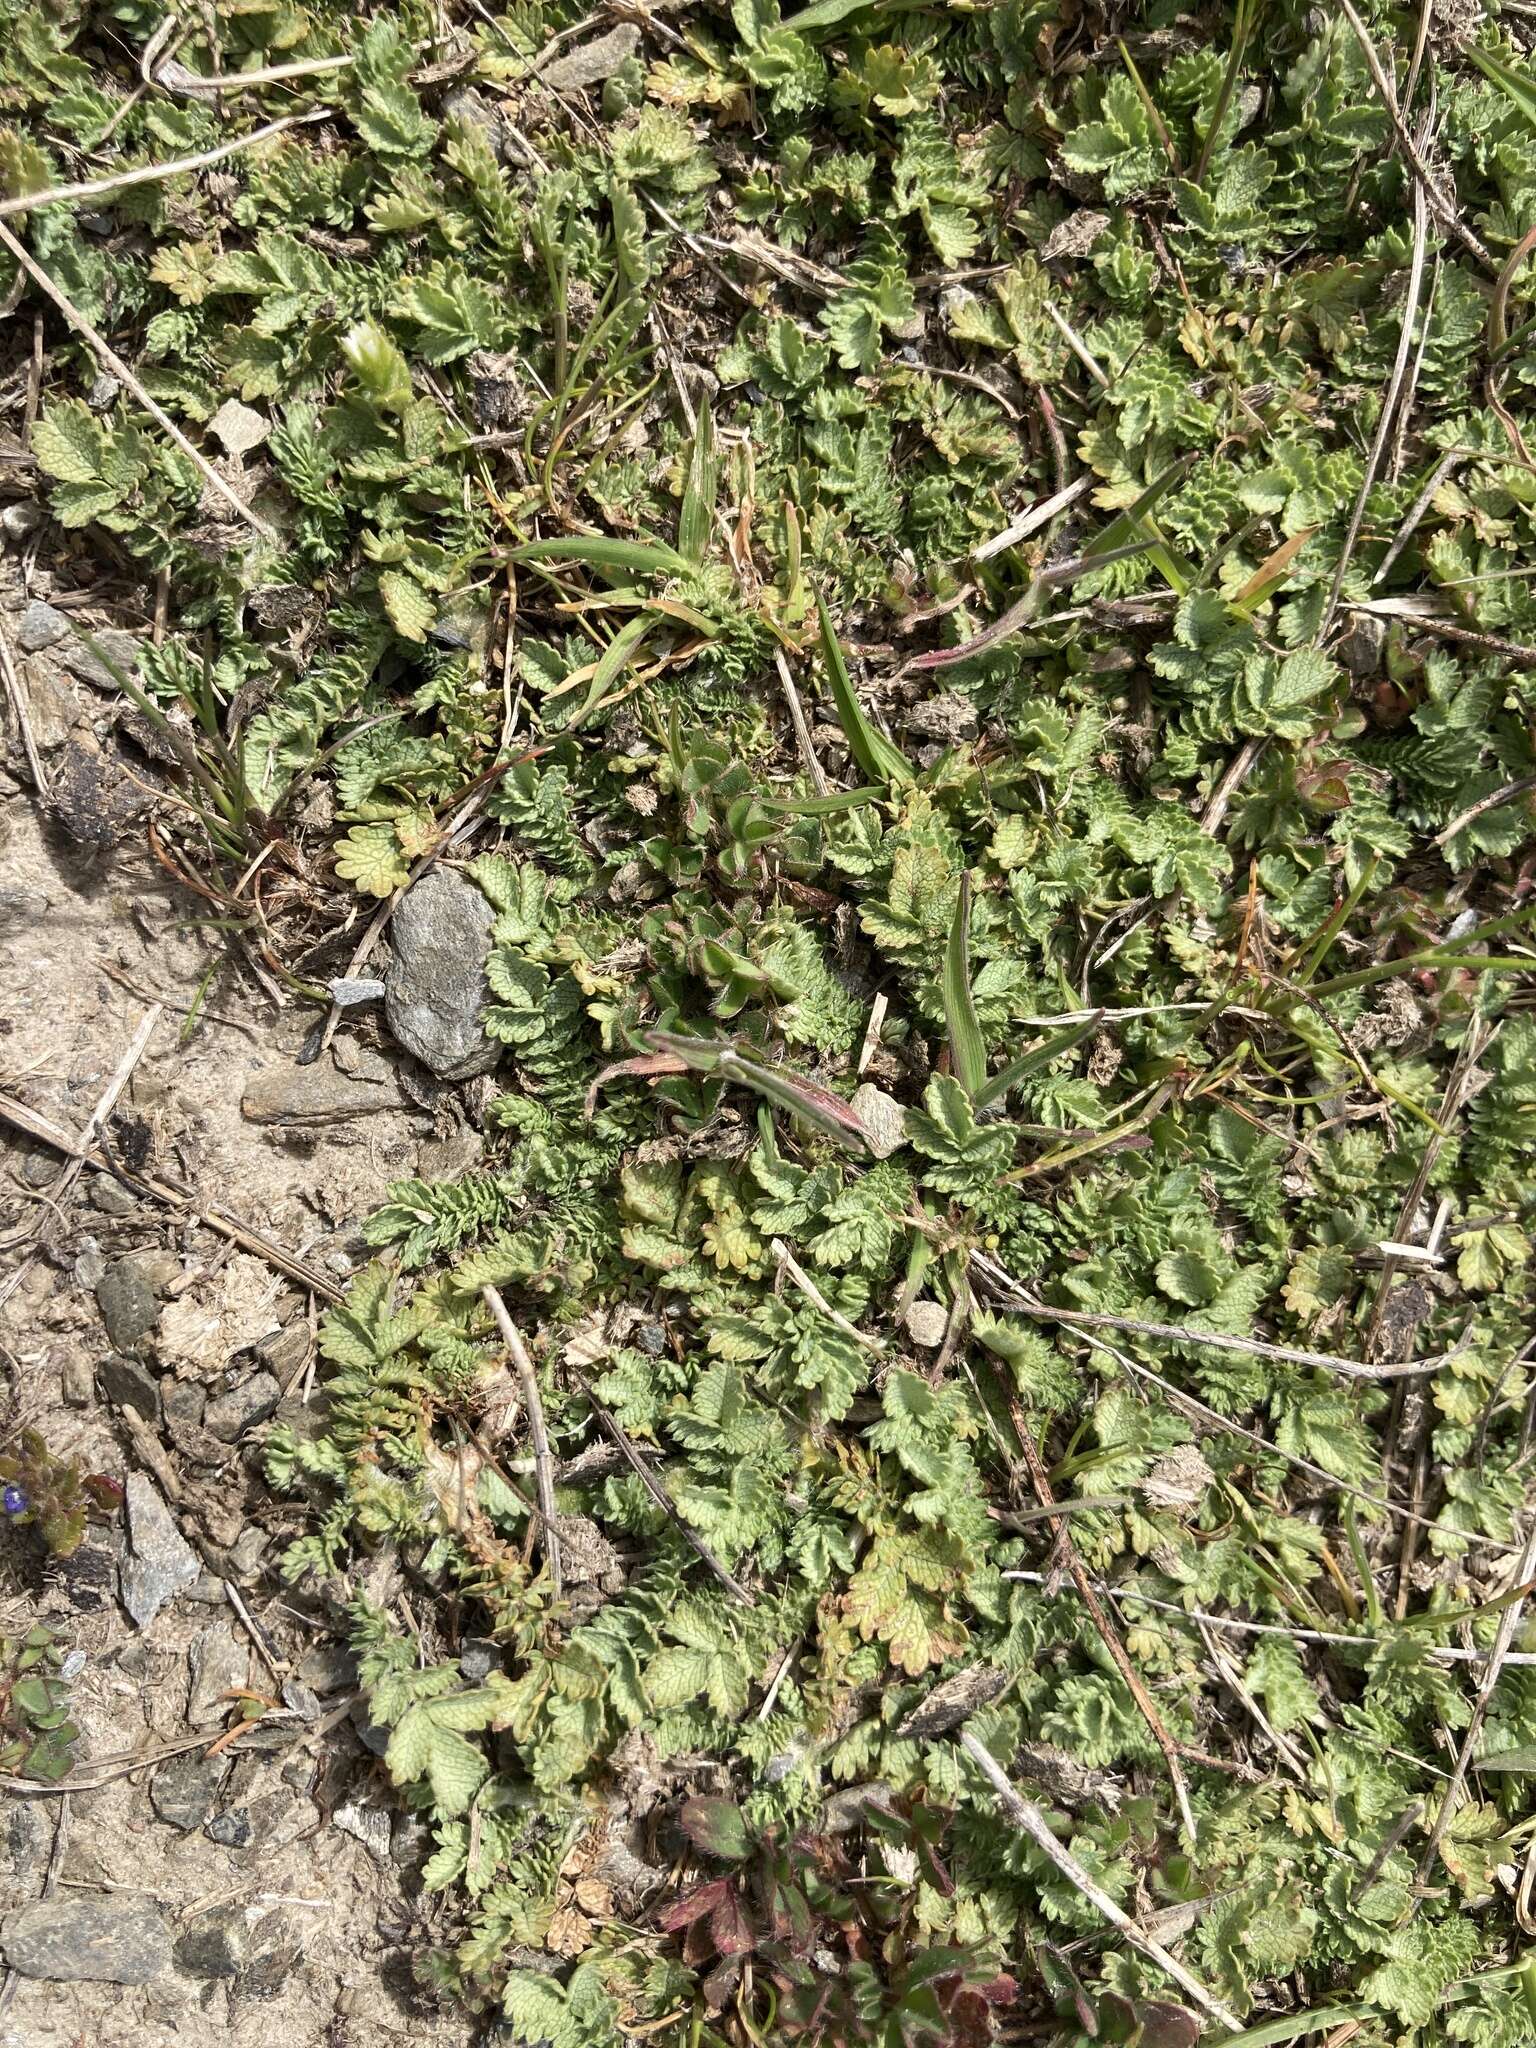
(1018,1071)
(1135,523)
(1519,89)
(822,806)
(881,759)
(600,551)
(967,1047)
(697,517)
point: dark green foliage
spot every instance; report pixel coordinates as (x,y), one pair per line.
(1136,926)
(53,1495)
(37,1737)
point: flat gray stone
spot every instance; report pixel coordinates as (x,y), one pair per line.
(927,1322)
(594,61)
(220,1662)
(185,1788)
(238,427)
(232,1830)
(436,987)
(121,649)
(217,1944)
(232,1414)
(883,1118)
(128,1303)
(316,1097)
(369,1825)
(127,1384)
(41,626)
(87,1941)
(163,1564)
(18,520)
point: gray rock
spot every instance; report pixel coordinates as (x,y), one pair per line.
(410,1840)
(270,1970)
(184,1789)
(436,986)
(316,1096)
(478,1658)
(220,1662)
(350,989)
(238,427)
(371,1734)
(232,1414)
(18,520)
(90,1266)
(75,1384)
(127,1384)
(87,1941)
(127,1303)
(41,626)
(300,1700)
(184,1403)
(244,1556)
(116,647)
(366,1824)
(217,1944)
(232,1830)
(472,108)
(329,1667)
(927,1322)
(111,1197)
(594,61)
(883,1118)
(163,1563)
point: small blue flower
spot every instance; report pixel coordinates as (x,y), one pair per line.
(13,1500)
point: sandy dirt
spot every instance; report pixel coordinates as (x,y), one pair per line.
(288,1907)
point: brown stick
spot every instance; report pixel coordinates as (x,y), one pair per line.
(15,690)
(119,368)
(1173,1752)
(663,1499)
(1443,207)
(1179,1333)
(543,1459)
(1029,1820)
(1509,1621)
(150,174)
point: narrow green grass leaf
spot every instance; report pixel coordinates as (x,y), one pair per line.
(967,1047)
(1018,1071)
(599,551)
(1519,89)
(696,520)
(881,759)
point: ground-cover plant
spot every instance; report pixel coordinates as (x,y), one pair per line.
(973,566)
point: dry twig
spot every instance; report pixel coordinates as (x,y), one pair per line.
(1029,1820)
(1173,1752)
(543,1458)
(663,1499)
(16,691)
(1498,1657)
(35,1125)
(1019,1298)
(152,174)
(1388,411)
(1445,208)
(114,362)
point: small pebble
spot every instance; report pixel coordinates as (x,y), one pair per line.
(231,1830)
